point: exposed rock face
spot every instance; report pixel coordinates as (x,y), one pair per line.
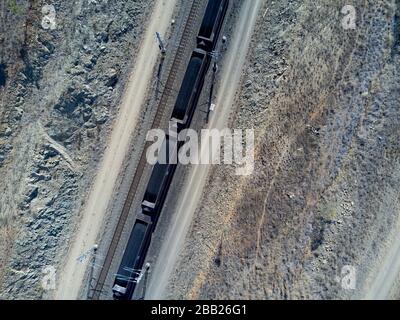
(59,88)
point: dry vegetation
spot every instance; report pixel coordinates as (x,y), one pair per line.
(324,104)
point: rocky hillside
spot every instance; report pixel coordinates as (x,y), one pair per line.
(324,102)
(63,65)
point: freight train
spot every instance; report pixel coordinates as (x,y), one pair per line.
(162,173)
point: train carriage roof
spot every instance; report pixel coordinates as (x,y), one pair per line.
(132,250)
(210,16)
(160,170)
(186,90)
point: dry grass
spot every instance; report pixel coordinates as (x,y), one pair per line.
(305,147)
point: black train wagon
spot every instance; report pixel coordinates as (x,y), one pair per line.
(190,90)
(160,179)
(212,24)
(133,259)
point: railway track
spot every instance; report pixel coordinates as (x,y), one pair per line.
(157,123)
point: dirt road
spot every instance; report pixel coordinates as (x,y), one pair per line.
(71,277)
(193,190)
(385,276)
